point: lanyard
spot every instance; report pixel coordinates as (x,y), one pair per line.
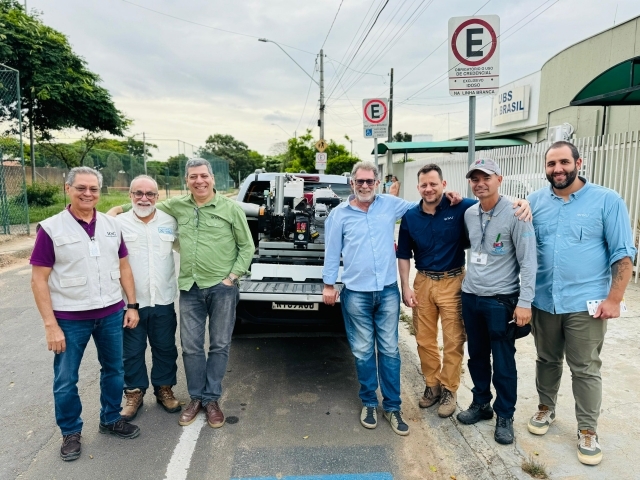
(483,226)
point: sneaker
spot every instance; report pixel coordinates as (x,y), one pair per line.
(430,397)
(164,396)
(396,422)
(589,451)
(475,413)
(70,449)
(447,403)
(369,417)
(539,423)
(504,431)
(121,429)
(134,402)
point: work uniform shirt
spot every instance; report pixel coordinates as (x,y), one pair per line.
(437,241)
(366,241)
(508,254)
(215,239)
(150,248)
(44,255)
(578,241)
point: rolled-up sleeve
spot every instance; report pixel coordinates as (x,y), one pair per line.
(617,232)
(332,249)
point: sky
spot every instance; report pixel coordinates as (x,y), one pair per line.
(185,70)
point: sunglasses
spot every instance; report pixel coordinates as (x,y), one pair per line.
(368,181)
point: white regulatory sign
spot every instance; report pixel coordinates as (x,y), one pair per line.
(375,117)
(321,161)
(474,55)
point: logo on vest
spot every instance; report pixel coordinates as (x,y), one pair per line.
(112,234)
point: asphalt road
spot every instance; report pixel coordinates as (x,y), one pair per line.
(290,400)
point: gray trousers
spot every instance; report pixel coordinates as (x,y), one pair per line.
(580,337)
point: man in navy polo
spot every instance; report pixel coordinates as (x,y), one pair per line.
(434,232)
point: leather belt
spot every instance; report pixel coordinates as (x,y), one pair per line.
(440,275)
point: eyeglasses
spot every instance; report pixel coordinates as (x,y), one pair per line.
(150,195)
(82,189)
(368,181)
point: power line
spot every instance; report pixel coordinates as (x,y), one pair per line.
(307,99)
(207,26)
(334,21)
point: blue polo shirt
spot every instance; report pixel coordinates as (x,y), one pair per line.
(578,241)
(437,241)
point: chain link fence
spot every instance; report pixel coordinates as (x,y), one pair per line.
(14,211)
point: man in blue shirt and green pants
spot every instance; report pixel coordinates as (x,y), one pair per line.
(576,218)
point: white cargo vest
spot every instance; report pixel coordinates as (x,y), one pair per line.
(79,281)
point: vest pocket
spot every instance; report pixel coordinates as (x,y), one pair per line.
(72,281)
(115,275)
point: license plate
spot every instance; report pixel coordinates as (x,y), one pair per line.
(294,306)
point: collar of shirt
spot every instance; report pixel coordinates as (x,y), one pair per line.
(499,207)
(575,195)
(137,219)
(352,197)
(213,201)
(90,227)
(443,205)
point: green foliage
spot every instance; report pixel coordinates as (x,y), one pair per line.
(176,165)
(274,164)
(42,194)
(341,164)
(58,90)
(301,155)
(9,147)
(130,146)
(242,161)
(402,137)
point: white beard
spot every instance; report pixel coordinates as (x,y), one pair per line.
(143,212)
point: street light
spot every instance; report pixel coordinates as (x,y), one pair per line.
(320,84)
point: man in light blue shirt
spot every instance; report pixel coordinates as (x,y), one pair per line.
(585,254)
(362,230)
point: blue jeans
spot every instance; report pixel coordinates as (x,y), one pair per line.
(107,336)
(489,334)
(371,322)
(205,372)
(159,325)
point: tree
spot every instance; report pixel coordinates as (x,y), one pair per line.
(240,158)
(301,153)
(402,137)
(176,165)
(341,164)
(58,90)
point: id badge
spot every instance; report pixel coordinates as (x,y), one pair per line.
(479,258)
(94,249)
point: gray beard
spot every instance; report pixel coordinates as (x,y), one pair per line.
(143,212)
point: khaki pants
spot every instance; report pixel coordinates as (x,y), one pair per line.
(439,298)
(580,337)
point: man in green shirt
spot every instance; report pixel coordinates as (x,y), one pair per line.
(215,249)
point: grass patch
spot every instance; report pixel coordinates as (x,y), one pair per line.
(37,214)
(534,468)
(408,321)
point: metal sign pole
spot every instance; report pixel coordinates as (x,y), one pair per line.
(375,156)
(472,137)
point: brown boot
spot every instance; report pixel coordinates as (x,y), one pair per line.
(164,396)
(430,397)
(215,417)
(134,402)
(447,403)
(189,414)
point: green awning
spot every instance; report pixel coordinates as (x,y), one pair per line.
(448,146)
(619,85)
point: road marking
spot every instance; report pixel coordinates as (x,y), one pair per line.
(342,476)
(181,459)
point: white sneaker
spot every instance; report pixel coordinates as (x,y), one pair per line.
(589,451)
(539,423)
(369,417)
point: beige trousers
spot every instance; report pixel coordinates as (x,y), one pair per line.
(439,299)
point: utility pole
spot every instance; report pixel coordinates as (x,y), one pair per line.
(472,137)
(390,137)
(144,152)
(321,120)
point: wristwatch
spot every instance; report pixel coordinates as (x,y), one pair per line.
(133,306)
(234,280)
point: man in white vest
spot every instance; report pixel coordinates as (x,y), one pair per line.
(79,264)
(150,234)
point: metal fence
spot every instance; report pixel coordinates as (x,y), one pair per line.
(14,211)
(612,161)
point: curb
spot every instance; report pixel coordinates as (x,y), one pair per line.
(13,256)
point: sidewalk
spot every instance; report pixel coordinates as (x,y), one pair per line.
(15,247)
(619,423)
